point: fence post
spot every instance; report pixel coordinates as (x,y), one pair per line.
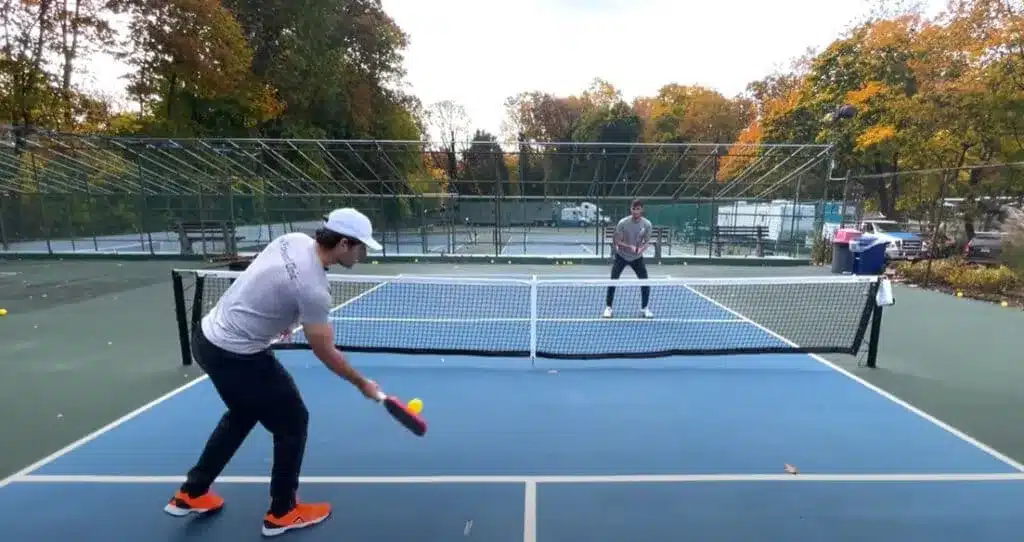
(3,230)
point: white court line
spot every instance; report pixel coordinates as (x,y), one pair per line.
(127,417)
(118,247)
(561,320)
(360,296)
(504,247)
(526,276)
(95,434)
(540,479)
(530,511)
(346,303)
(945,426)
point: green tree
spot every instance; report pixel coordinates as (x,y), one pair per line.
(483,168)
(184,52)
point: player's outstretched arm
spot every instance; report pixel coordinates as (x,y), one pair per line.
(321,341)
(314,311)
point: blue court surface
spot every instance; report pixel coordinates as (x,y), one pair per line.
(687,448)
(561,244)
(416,243)
(695,453)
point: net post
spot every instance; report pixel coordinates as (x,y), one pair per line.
(876,332)
(181,316)
(533,320)
(197,304)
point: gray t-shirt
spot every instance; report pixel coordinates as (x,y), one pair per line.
(283,287)
(633,233)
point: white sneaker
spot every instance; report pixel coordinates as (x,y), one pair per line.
(607,312)
(646,313)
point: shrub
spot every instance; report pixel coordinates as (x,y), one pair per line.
(955,273)
(909,271)
(940,271)
(821,251)
(902,268)
(946,271)
(984,280)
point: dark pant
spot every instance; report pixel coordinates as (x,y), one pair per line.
(640,268)
(256,389)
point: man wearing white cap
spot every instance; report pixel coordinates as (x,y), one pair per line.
(285,286)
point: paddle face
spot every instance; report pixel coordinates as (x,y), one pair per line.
(411,421)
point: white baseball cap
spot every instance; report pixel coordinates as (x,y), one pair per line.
(354,224)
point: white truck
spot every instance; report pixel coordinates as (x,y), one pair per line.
(900,245)
(584,214)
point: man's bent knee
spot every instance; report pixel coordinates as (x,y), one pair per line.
(298,419)
(292,420)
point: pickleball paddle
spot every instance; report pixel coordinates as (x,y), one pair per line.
(398,411)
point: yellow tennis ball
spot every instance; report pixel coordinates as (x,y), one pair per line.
(1004,304)
(3,312)
(415,406)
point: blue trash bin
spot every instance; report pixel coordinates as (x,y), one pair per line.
(868,255)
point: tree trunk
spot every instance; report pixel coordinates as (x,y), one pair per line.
(939,203)
(881,189)
(70,52)
(971,201)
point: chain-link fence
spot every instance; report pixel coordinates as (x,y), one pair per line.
(63,194)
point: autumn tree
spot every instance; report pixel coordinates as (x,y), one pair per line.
(682,114)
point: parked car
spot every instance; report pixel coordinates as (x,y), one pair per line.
(984,248)
(900,245)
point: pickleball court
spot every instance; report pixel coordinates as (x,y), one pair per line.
(549,423)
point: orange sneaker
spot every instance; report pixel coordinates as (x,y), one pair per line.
(303,515)
(182,505)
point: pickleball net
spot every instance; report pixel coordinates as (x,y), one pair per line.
(562,318)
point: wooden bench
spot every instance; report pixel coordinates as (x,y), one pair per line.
(745,236)
(660,236)
(214,231)
(239,263)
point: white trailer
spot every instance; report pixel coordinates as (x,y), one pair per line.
(782,220)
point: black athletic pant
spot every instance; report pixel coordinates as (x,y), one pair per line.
(640,268)
(256,389)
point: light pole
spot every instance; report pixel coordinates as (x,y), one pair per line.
(834,118)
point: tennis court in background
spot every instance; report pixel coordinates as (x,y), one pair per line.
(674,448)
(569,242)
